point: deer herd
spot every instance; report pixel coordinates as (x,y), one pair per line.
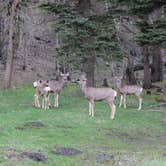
(43,88)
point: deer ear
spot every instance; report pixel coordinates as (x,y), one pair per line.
(118,77)
(61,74)
(35,84)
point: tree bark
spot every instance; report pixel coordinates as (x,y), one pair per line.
(147,75)
(84,6)
(10,49)
(89,69)
(156,71)
(141,67)
(88,62)
(130,77)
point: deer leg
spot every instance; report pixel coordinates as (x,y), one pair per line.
(140,103)
(38,103)
(35,104)
(44,97)
(46,102)
(35,98)
(90,108)
(43,102)
(124,101)
(49,103)
(113,110)
(57,99)
(121,100)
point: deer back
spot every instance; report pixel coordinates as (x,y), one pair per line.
(100,93)
(131,89)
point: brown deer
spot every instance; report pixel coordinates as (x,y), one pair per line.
(41,89)
(57,86)
(125,89)
(98,94)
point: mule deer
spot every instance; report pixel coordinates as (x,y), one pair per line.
(41,89)
(57,86)
(98,94)
(128,90)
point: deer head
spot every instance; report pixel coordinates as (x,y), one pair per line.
(40,83)
(82,80)
(118,81)
(64,79)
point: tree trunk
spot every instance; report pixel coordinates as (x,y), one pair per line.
(84,6)
(130,77)
(147,75)
(156,71)
(10,49)
(89,69)
(89,62)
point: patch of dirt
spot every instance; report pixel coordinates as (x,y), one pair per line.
(66,151)
(161,138)
(28,125)
(36,156)
(114,159)
(34,124)
(103,157)
(162,123)
(65,127)
(163,104)
(125,137)
(12,154)
(128,159)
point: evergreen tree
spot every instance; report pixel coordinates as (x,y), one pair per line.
(84,36)
(151,35)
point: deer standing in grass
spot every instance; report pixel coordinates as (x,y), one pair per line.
(98,94)
(128,90)
(57,86)
(41,89)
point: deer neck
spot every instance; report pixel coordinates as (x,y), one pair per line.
(84,88)
(123,85)
(61,83)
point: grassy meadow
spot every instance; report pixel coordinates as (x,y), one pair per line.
(67,136)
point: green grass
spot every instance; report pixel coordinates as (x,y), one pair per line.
(134,138)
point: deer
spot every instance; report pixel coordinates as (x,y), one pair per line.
(41,89)
(98,94)
(57,86)
(125,89)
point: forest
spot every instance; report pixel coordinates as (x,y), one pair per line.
(130,39)
(56,54)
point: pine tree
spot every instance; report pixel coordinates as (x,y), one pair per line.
(151,35)
(84,36)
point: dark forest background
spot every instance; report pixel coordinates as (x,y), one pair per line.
(103,38)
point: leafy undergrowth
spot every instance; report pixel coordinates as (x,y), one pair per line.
(67,136)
